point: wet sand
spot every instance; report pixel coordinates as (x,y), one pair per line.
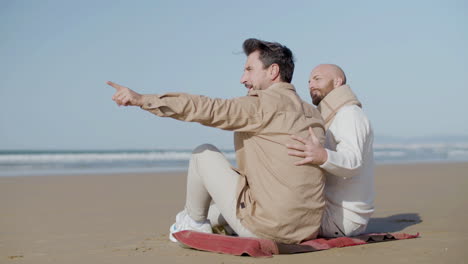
(124,218)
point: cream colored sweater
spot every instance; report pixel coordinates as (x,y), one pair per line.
(350,165)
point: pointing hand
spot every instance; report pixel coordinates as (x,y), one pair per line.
(125,96)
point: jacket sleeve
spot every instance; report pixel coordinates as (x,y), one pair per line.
(237,114)
(353,136)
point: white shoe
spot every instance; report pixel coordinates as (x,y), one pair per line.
(185,222)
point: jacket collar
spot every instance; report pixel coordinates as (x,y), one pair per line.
(334,101)
(275,86)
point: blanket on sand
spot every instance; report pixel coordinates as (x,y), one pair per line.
(256,247)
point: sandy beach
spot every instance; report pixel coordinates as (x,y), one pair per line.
(124,218)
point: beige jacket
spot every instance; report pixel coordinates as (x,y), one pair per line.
(276,199)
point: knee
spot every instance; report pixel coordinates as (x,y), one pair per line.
(206,154)
(205,147)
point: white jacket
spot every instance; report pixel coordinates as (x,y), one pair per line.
(350,165)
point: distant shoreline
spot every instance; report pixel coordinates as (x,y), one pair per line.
(66,162)
(143,171)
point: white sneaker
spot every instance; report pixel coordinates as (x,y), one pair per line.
(185,222)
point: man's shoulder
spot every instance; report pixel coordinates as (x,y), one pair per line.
(310,110)
(352,114)
(278,96)
(351,111)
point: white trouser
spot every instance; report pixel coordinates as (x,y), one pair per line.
(211,178)
(335,225)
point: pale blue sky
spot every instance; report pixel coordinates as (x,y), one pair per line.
(406,60)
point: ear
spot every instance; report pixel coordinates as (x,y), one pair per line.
(337,82)
(274,71)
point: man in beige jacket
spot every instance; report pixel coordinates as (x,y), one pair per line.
(267,196)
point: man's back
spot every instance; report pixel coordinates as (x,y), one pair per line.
(279,200)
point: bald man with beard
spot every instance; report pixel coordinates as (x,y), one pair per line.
(347,156)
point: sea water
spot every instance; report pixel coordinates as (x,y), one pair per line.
(63,162)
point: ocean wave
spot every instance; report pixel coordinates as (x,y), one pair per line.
(379,154)
(418,146)
(99,157)
(50,162)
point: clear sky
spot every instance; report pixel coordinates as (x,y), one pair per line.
(406,60)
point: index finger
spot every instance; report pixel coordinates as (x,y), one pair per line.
(311,132)
(118,87)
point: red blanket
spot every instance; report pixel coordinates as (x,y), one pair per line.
(257,247)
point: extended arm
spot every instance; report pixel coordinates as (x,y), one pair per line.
(238,114)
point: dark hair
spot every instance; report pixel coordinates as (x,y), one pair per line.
(270,53)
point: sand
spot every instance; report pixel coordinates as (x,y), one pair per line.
(125,219)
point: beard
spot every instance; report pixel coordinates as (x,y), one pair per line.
(316,99)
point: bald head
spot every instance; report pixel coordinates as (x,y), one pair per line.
(332,71)
(323,79)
